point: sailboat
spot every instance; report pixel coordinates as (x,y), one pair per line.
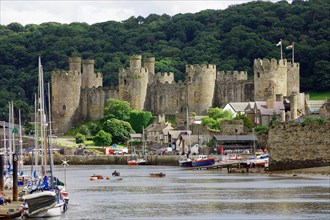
(47,197)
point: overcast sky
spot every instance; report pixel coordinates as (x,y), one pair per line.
(67,11)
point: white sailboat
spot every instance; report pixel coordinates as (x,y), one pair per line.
(45,199)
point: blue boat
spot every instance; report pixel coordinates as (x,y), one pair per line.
(203,160)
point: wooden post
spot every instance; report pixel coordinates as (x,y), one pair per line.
(15,177)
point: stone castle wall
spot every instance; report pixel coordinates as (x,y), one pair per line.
(65,90)
(293,146)
(201,86)
(233,91)
(165,98)
(79,96)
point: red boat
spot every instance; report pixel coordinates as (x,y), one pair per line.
(137,162)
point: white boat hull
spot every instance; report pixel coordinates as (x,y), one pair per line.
(57,210)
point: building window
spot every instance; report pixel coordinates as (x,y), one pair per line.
(258,75)
(64,107)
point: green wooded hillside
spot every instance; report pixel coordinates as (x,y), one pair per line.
(230,38)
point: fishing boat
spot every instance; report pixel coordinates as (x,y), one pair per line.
(160,174)
(187,162)
(203,160)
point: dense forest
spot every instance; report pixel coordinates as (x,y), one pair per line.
(230,38)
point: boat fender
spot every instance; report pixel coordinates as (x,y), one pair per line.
(65,207)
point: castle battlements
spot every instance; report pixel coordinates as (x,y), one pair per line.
(200,68)
(270,65)
(293,65)
(232,75)
(67,74)
(165,78)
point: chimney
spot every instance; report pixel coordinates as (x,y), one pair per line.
(270,103)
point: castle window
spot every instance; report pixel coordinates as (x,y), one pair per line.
(177,102)
(125,82)
(258,75)
(64,107)
(189,79)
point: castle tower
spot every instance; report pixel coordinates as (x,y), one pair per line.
(293,78)
(200,87)
(149,63)
(65,98)
(75,64)
(270,78)
(89,78)
(293,105)
(133,83)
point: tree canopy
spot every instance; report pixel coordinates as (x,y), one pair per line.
(230,38)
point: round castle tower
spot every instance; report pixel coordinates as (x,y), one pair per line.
(66,95)
(88,78)
(149,63)
(133,83)
(200,87)
(270,78)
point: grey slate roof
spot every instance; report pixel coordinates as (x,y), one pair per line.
(262,106)
(235,137)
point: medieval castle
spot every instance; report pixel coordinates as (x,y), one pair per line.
(78,94)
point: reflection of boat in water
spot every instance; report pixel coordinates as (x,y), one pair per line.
(185,163)
(160,174)
(115,173)
(140,161)
(203,160)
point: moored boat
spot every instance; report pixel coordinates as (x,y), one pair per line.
(185,163)
(115,173)
(160,174)
(96,177)
(137,162)
(203,160)
(44,204)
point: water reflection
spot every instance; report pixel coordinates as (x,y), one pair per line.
(191,194)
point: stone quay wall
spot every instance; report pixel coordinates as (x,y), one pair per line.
(296,146)
(167,160)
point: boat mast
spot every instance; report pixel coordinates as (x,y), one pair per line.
(42,115)
(36,147)
(187,110)
(20,143)
(10,139)
(50,136)
(5,145)
(13,124)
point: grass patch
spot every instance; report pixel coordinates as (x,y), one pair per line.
(319,95)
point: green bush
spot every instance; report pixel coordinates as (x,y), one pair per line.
(80,138)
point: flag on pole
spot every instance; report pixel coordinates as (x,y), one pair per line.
(14,131)
(289,47)
(280,44)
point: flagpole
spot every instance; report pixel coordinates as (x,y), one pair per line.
(292,52)
(281,51)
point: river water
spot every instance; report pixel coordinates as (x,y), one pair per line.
(192,194)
